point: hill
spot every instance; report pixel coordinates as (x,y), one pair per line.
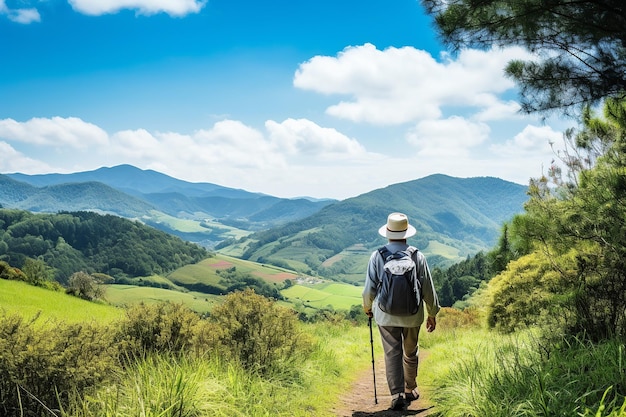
(157,200)
(89,242)
(29,301)
(454,217)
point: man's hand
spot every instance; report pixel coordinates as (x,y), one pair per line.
(431,324)
(369,313)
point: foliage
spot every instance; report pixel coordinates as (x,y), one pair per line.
(459,281)
(580,226)
(43,364)
(258,333)
(86,286)
(89,242)
(150,328)
(234,280)
(530,292)
(580,49)
(9,272)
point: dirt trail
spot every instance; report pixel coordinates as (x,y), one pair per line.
(359,402)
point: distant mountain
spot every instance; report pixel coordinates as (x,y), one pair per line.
(152,196)
(454,217)
(92,196)
(133,180)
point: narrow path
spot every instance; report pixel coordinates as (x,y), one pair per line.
(359,402)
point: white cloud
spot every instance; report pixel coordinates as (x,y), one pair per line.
(55,132)
(452,137)
(146,7)
(23,16)
(305,138)
(400,85)
(14,161)
(532,140)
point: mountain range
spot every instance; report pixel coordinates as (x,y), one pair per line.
(155,199)
(455,217)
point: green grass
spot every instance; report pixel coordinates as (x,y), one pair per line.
(162,385)
(20,297)
(339,296)
(437,248)
(127,295)
(472,372)
(195,226)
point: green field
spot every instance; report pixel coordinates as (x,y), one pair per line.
(126,295)
(19,297)
(207,226)
(339,296)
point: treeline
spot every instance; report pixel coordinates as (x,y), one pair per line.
(456,284)
(69,242)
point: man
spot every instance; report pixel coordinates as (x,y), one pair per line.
(399,333)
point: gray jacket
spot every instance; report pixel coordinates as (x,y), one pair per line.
(375,270)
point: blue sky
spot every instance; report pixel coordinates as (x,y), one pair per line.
(324,98)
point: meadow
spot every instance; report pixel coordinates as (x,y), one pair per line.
(466,370)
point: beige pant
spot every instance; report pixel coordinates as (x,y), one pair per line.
(401,348)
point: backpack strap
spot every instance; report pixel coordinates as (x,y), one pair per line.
(385,253)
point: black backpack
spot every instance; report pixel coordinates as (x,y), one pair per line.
(399,291)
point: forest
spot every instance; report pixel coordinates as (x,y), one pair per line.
(85,241)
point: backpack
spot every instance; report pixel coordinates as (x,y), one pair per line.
(399,291)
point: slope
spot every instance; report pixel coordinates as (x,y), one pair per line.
(454,217)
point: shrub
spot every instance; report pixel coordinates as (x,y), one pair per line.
(42,364)
(259,333)
(161,327)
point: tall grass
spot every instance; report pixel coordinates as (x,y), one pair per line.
(164,385)
(475,373)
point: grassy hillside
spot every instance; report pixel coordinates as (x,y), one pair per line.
(198,286)
(27,300)
(454,217)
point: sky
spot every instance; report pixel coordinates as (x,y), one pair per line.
(324,98)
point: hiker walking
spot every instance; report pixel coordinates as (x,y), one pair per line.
(397,286)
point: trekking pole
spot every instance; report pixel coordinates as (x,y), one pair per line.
(373,370)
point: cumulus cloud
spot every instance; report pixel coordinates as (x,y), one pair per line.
(146,7)
(55,132)
(400,85)
(452,137)
(13,161)
(303,137)
(23,16)
(532,140)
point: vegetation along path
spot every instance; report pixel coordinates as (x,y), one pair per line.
(359,402)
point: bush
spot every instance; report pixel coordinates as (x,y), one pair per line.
(258,333)
(42,365)
(161,327)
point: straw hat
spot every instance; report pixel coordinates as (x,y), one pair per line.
(397,227)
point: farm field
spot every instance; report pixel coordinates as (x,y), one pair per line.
(126,295)
(339,296)
(206,271)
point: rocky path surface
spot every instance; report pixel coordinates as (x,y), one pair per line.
(359,402)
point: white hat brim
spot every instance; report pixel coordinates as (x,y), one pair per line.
(410,231)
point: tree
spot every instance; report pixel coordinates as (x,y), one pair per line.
(580,46)
(581,229)
(85,286)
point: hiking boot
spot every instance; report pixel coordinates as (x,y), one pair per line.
(412,396)
(398,403)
